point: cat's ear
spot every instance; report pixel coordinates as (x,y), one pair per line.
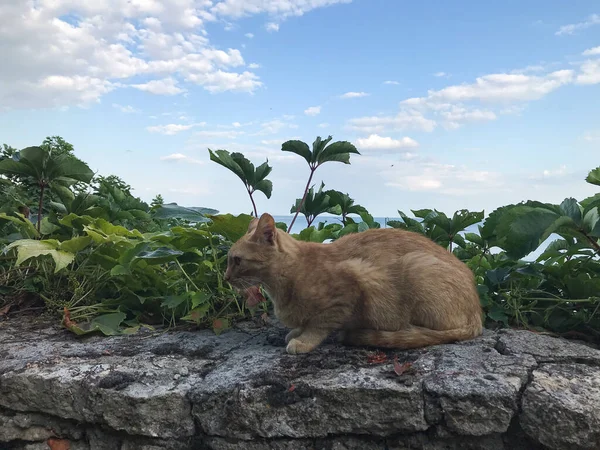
(252,226)
(265,230)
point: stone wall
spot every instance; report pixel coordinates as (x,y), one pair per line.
(194,390)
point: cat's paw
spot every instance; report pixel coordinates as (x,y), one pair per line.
(295,347)
(293,334)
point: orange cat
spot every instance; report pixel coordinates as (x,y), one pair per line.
(381,288)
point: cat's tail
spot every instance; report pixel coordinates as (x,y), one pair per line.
(412,337)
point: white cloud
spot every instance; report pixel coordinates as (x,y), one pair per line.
(172,128)
(127,109)
(249,35)
(530,69)
(313,111)
(441,74)
(253,66)
(391,82)
(404,120)
(591,136)
(180,157)
(274,126)
(500,87)
(354,95)
(551,173)
(220,81)
(324,125)
(271,27)
(55,62)
(592,51)
(376,142)
(279,9)
(590,72)
(419,175)
(592,20)
(230,134)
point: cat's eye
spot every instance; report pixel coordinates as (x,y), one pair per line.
(237,260)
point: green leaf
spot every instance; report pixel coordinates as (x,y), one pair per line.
(173,301)
(520,229)
(299,148)
(200,298)
(590,202)
(264,186)
(498,314)
(197,314)
(412,224)
(315,204)
(262,172)
(46,227)
(160,255)
(311,234)
(474,238)
(422,213)
(338,151)
(73,168)
(282,226)
(75,244)
(59,207)
(25,226)
(571,208)
(498,276)
(10,167)
(107,324)
(230,226)
(463,219)
(594,177)
(119,270)
(591,222)
(29,248)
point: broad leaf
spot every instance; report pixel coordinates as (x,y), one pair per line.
(264,186)
(230,226)
(571,208)
(594,176)
(299,148)
(160,255)
(223,158)
(591,222)
(29,248)
(107,324)
(338,151)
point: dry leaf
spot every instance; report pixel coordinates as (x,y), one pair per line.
(401,368)
(4,311)
(377,358)
(58,444)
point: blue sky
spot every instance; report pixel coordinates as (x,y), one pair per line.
(452,105)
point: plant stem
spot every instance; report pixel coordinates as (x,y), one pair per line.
(593,242)
(312,172)
(39,219)
(186,275)
(252,200)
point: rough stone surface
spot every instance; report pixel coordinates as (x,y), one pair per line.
(561,406)
(193,390)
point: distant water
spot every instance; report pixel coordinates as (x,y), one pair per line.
(301,223)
